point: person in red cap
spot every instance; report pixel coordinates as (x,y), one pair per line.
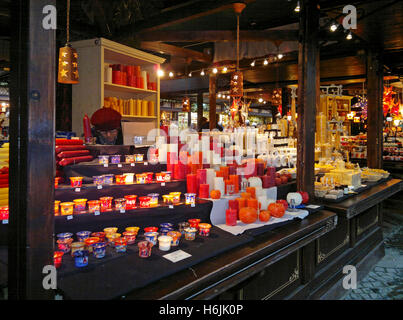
(107,128)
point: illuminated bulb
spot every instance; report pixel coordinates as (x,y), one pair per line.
(264,102)
(297,8)
(219,95)
(253,63)
(160,73)
(265,62)
(225,69)
(228,97)
(289,118)
(349,36)
(333,27)
(260,100)
(215,70)
(202,73)
(171,74)
(190,74)
(280,56)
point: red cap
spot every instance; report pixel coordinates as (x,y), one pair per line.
(106,119)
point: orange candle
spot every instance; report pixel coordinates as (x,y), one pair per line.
(252,192)
(253,203)
(219,174)
(235,181)
(225,171)
(246,195)
(242,202)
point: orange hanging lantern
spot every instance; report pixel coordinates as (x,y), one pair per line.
(236,84)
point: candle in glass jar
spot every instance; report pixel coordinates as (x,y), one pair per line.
(230,217)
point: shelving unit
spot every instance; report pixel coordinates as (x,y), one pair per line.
(88,96)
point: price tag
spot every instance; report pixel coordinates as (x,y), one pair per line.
(97,213)
(99,186)
(193,205)
(122,210)
(5,221)
(146,163)
(106,165)
(132,164)
(171,206)
(312,206)
(177,255)
(77,189)
(69,217)
(119,165)
(162,184)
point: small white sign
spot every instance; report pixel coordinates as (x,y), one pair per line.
(106,165)
(97,213)
(171,206)
(177,255)
(132,164)
(5,221)
(193,205)
(119,165)
(77,189)
(312,206)
(99,186)
(122,210)
(69,217)
(146,163)
(162,184)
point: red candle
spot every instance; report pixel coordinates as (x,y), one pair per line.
(230,217)
(266,181)
(57,258)
(233,204)
(252,191)
(259,168)
(201,176)
(225,171)
(179,171)
(204,191)
(191,182)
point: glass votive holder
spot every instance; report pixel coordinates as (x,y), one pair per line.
(100,235)
(57,259)
(94,206)
(66,208)
(112,237)
(154,199)
(99,250)
(98,180)
(121,244)
(129,178)
(81,258)
(144,202)
(120,179)
(80,204)
(149,176)
(132,229)
(139,157)
(64,235)
(182,226)
(190,233)
(190,198)
(176,197)
(167,199)
(130,237)
(57,179)
(108,178)
(64,245)
(89,243)
(194,223)
(166,225)
(115,159)
(230,189)
(164,243)
(103,159)
(120,204)
(82,235)
(129,158)
(141,178)
(106,203)
(167,176)
(145,248)
(110,230)
(204,229)
(76,182)
(77,246)
(160,177)
(151,236)
(175,235)
(57,207)
(150,229)
(130,201)
(164,231)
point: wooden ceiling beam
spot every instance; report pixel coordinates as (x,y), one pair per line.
(164,48)
(218,35)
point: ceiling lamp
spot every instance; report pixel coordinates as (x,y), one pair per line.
(297,8)
(160,73)
(68,59)
(190,74)
(215,70)
(265,62)
(224,69)
(280,56)
(349,36)
(253,63)
(202,73)
(219,95)
(333,27)
(260,100)
(171,74)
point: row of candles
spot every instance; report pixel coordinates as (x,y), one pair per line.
(128,202)
(246,199)
(97,242)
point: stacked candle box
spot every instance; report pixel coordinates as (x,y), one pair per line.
(131,107)
(129,75)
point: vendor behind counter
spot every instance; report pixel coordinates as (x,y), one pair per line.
(107,127)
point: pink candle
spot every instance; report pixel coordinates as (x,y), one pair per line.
(260,169)
(266,181)
(191,182)
(230,217)
(271,173)
(201,176)
(204,191)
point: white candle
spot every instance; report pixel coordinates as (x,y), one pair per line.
(210,174)
(219,185)
(164,243)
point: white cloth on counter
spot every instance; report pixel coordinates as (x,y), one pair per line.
(242,227)
(217,215)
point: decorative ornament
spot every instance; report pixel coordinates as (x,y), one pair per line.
(68,59)
(186,104)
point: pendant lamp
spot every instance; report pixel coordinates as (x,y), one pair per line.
(68,59)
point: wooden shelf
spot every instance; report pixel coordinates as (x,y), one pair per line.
(129,117)
(120,88)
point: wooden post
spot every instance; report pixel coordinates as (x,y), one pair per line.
(375,110)
(308,93)
(212,101)
(199,109)
(32,160)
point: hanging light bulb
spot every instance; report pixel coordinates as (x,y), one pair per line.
(215,70)
(160,73)
(219,95)
(253,63)
(171,74)
(333,27)
(349,36)
(260,100)
(298,7)
(224,69)
(265,62)
(280,56)
(68,59)
(202,73)
(190,74)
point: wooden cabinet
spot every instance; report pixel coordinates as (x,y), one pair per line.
(88,96)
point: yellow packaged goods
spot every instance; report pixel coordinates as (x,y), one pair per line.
(132,107)
(144,108)
(138,107)
(151,108)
